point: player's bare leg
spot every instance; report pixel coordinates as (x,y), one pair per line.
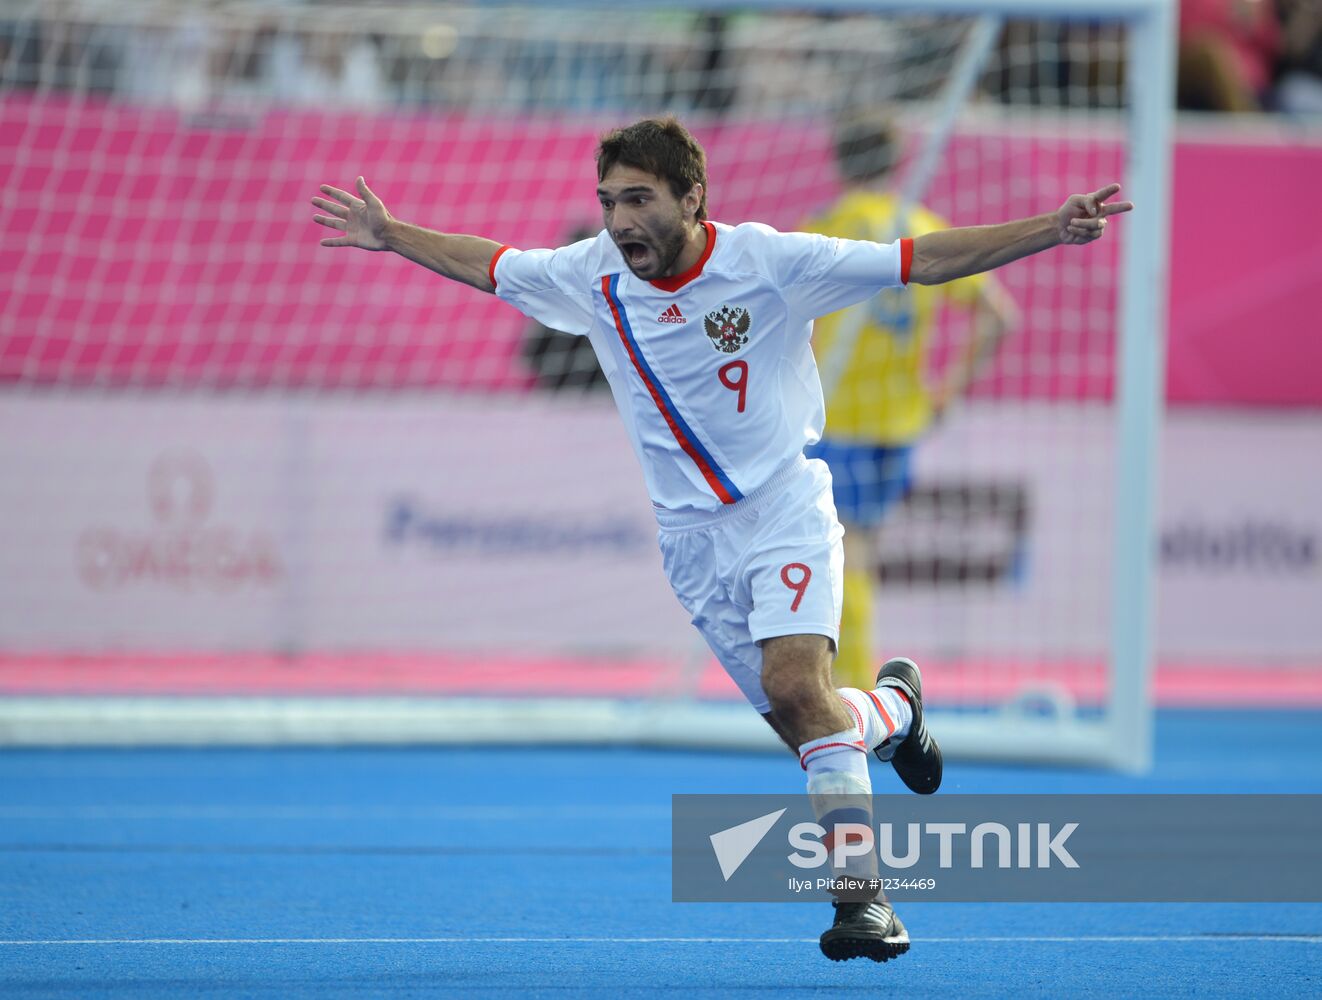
(796,675)
(829,737)
(887,719)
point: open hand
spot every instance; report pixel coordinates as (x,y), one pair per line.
(362,220)
(1082,218)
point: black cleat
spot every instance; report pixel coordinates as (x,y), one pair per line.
(917,758)
(865,930)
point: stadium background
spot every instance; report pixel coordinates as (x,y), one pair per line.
(239,466)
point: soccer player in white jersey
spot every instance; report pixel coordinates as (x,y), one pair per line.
(703,331)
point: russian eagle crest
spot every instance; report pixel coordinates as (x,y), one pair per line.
(728,328)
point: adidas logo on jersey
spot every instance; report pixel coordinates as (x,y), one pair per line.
(672,315)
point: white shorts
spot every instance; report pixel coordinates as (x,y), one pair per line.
(771,564)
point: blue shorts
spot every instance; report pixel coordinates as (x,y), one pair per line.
(866,480)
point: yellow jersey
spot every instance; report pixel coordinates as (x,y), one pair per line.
(882,397)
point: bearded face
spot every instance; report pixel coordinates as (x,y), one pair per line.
(649,225)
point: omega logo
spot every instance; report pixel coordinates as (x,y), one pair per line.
(184,549)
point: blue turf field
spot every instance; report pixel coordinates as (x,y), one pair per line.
(321,873)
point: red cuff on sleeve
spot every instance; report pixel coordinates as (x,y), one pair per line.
(491,268)
(906,258)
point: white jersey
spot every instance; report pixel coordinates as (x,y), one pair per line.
(712,369)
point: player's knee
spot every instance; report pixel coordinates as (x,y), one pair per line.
(785,691)
(795,670)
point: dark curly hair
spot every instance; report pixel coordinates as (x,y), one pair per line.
(662,147)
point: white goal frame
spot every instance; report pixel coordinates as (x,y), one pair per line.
(1120,736)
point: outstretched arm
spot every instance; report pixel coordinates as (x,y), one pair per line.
(955,253)
(367,225)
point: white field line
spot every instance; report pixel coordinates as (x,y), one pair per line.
(1007,939)
(333,812)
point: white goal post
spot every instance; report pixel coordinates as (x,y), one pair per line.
(261,493)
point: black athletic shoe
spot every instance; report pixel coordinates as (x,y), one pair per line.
(865,930)
(917,758)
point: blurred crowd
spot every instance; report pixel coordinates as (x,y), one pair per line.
(1234,56)
(1251,55)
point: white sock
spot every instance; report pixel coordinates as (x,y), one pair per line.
(880,715)
(836,752)
(841,792)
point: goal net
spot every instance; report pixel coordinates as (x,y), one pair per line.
(257,490)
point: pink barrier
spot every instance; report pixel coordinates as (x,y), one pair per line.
(137,248)
(948,682)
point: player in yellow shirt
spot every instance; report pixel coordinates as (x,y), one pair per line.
(882,402)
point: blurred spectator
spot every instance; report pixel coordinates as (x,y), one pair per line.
(1228,52)
(59,52)
(331,66)
(1299,83)
(715,90)
(1046,63)
(699,75)
(168,59)
(20,53)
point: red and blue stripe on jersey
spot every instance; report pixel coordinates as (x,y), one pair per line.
(719,482)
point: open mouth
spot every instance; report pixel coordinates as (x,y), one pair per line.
(635,253)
